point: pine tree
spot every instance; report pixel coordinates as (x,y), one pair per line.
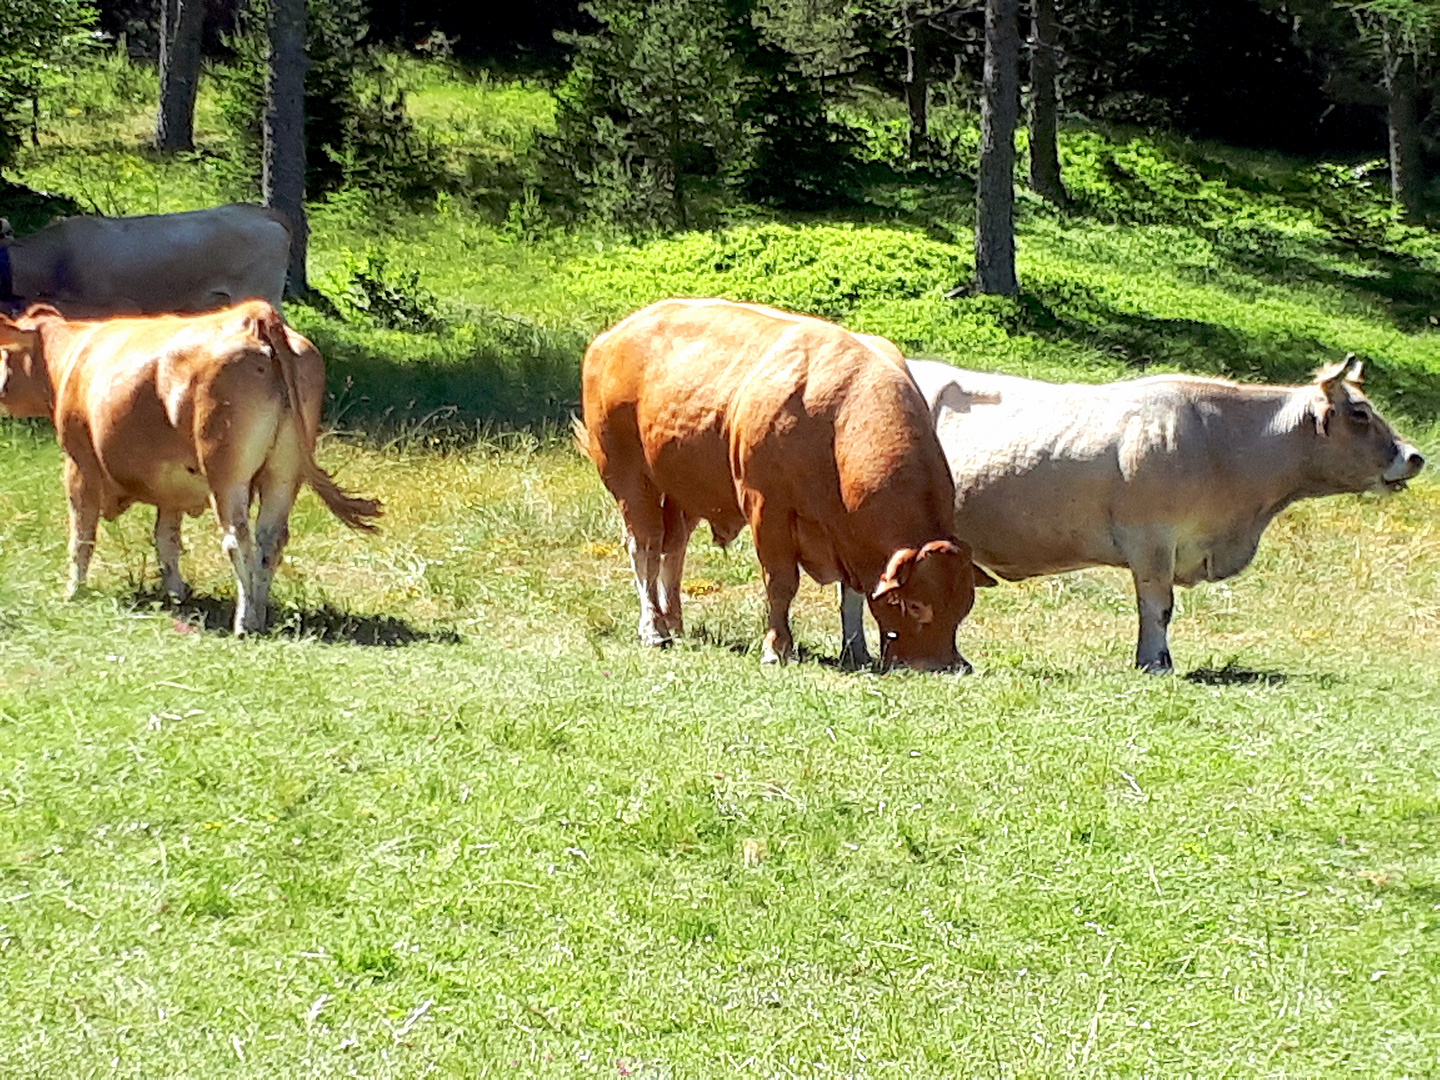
(650,112)
(999,112)
(283,179)
(180,24)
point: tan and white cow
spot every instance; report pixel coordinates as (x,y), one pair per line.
(199,260)
(813,436)
(1173,476)
(180,412)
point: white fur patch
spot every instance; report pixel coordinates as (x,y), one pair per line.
(1299,407)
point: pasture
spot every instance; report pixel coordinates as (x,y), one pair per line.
(450,819)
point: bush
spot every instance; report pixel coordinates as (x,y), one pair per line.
(369,288)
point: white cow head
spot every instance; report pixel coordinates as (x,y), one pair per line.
(1358,450)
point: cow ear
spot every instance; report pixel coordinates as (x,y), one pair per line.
(1332,379)
(902,563)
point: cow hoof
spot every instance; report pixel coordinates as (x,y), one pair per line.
(853,659)
(178,593)
(657,640)
(77,591)
(249,627)
(1159,666)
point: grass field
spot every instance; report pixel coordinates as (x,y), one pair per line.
(450,819)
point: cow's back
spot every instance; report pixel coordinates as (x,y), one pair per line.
(138,396)
(188,262)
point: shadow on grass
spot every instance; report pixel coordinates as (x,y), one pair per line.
(327,624)
(482,370)
(703,635)
(1232,674)
(1408,289)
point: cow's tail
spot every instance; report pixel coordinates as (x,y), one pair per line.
(353,510)
(581,433)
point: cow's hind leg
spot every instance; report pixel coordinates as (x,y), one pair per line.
(84,502)
(168,550)
(278,489)
(644,518)
(232,507)
(780,566)
(678,528)
(1154,573)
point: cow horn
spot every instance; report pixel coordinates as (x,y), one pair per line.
(896,573)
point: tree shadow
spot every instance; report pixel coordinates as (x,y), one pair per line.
(476,372)
(1087,315)
(1405,286)
(326,624)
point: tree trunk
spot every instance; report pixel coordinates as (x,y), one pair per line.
(999,111)
(917,64)
(283,181)
(181,22)
(1407,176)
(1044,155)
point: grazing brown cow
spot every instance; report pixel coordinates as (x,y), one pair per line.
(814,436)
(1173,476)
(180,412)
(200,260)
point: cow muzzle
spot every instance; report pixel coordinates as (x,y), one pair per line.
(955,663)
(1406,465)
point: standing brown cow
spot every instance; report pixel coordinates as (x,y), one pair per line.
(815,437)
(180,412)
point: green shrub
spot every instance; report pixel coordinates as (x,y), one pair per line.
(368,287)
(829,270)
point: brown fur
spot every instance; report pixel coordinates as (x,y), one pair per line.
(181,412)
(815,437)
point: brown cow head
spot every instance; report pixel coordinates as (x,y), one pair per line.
(1358,450)
(24,382)
(921,599)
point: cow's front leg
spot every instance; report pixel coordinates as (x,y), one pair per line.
(84,499)
(853,650)
(775,547)
(168,550)
(1154,576)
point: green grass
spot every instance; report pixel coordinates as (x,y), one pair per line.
(244,858)
(513,842)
